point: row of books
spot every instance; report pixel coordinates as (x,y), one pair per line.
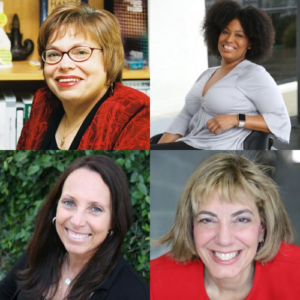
(141,85)
(14,111)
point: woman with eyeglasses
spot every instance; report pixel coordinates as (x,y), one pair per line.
(84,105)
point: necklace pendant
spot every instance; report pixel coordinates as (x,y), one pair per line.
(62,141)
(68,281)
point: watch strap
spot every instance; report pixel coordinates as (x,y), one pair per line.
(242,120)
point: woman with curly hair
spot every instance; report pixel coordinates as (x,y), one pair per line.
(228,102)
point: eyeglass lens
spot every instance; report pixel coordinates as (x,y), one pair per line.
(76,54)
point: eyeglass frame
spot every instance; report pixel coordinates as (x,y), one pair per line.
(67,52)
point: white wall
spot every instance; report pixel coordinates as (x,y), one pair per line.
(177,52)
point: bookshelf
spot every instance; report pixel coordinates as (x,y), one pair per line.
(29,15)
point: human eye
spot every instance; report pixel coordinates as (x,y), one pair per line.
(205,221)
(243,220)
(68,203)
(52,54)
(239,35)
(80,51)
(96,209)
(224,31)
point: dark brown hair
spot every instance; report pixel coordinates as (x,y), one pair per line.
(46,252)
(255,22)
(99,25)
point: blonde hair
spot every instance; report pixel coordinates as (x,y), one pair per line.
(100,25)
(230,175)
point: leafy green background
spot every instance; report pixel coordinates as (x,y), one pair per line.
(27,176)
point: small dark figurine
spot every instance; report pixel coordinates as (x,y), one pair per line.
(18,51)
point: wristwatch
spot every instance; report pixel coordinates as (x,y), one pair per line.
(242,120)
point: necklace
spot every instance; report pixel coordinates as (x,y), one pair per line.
(68,279)
(62,140)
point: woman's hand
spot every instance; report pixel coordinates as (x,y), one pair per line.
(169,138)
(222,122)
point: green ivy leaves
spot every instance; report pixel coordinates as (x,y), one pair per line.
(27,176)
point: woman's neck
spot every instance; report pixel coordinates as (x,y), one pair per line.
(76,263)
(229,65)
(74,112)
(229,288)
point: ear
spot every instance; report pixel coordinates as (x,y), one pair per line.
(249,46)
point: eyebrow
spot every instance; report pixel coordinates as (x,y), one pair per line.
(82,44)
(205,212)
(235,30)
(89,203)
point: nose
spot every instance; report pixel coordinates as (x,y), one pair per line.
(225,236)
(229,37)
(78,219)
(66,62)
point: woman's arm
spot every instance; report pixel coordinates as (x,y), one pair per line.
(169,138)
(222,122)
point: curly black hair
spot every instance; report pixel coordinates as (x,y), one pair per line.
(256,23)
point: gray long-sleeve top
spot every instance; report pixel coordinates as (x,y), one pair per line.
(248,89)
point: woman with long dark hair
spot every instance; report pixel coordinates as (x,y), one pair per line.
(75,252)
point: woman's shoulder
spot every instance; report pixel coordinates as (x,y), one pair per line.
(207,73)
(278,278)
(168,264)
(249,68)
(125,283)
(288,253)
(251,74)
(126,95)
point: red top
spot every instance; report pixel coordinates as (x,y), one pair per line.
(279,279)
(122,122)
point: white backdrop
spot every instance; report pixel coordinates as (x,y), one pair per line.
(178,54)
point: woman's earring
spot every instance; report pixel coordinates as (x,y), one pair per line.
(53,220)
(112,88)
(262,243)
(110,232)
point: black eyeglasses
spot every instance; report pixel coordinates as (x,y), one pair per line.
(77,54)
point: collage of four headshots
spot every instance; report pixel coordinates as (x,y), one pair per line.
(104,196)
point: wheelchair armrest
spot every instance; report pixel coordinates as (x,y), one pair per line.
(258,140)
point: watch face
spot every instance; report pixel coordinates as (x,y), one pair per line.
(242,117)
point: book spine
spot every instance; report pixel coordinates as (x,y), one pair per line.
(27,111)
(2,124)
(19,122)
(10,132)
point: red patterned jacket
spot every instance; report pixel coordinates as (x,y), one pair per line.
(122,122)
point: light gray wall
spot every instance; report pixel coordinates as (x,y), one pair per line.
(171,169)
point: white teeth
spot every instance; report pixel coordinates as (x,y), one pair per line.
(226,256)
(228,47)
(77,236)
(68,79)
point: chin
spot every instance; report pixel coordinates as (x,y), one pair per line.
(222,273)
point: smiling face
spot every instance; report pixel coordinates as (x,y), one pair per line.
(227,236)
(83,216)
(92,77)
(233,44)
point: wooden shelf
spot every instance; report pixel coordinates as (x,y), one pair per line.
(22,71)
(136,74)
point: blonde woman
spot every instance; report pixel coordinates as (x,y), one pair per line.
(231,239)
